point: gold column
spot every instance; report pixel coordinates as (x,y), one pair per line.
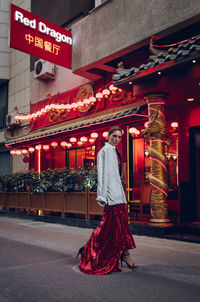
(156,132)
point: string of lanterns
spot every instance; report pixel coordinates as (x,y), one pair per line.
(54,144)
(83,140)
(86,102)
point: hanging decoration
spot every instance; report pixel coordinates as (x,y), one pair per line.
(85,99)
(46,147)
(134,131)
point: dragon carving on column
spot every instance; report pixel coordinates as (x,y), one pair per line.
(156,132)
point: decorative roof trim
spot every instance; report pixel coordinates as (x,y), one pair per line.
(183,53)
(50,133)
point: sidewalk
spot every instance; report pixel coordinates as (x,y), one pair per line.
(38,264)
(188,232)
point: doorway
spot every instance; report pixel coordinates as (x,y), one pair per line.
(195,168)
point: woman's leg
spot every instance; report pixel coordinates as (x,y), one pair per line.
(128,260)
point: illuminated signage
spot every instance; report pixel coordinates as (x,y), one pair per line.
(39,38)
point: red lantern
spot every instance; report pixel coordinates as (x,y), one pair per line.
(94,135)
(73,139)
(38,147)
(92,100)
(134,131)
(106,92)
(31,149)
(63,144)
(99,96)
(54,144)
(105,134)
(12,152)
(26,159)
(69,145)
(174,125)
(18,152)
(24,151)
(91,140)
(83,139)
(46,147)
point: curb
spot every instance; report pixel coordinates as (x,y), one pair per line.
(179,232)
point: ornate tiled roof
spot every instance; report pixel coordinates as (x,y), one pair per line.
(174,55)
(52,131)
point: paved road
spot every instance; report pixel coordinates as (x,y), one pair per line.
(37,264)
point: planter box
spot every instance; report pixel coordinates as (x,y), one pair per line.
(2,199)
(12,199)
(76,202)
(37,201)
(83,203)
(23,200)
(54,201)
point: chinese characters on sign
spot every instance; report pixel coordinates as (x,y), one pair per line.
(46,45)
(40,38)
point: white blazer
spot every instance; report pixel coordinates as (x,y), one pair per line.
(109,189)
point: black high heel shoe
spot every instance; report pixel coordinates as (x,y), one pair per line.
(122,259)
(80,252)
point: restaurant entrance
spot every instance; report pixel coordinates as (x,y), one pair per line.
(194,171)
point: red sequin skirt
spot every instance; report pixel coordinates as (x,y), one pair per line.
(102,252)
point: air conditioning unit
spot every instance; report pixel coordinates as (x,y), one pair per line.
(10,120)
(44,70)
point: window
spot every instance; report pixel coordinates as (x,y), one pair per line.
(80,157)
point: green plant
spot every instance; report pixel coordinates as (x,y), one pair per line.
(57,180)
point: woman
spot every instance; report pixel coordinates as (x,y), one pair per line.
(112,239)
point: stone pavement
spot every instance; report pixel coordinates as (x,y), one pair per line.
(37,263)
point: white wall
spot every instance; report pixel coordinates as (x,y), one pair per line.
(64,80)
(19,85)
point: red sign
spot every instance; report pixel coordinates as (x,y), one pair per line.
(39,37)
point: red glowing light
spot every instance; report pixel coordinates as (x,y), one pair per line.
(92,99)
(159,189)
(54,144)
(18,152)
(94,135)
(83,139)
(111,87)
(74,106)
(63,144)
(31,149)
(12,152)
(99,96)
(159,161)
(105,134)
(46,147)
(24,151)
(73,139)
(38,147)
(106,92)
(174,125)
(133,131)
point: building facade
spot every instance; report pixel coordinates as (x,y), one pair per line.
(117,67)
